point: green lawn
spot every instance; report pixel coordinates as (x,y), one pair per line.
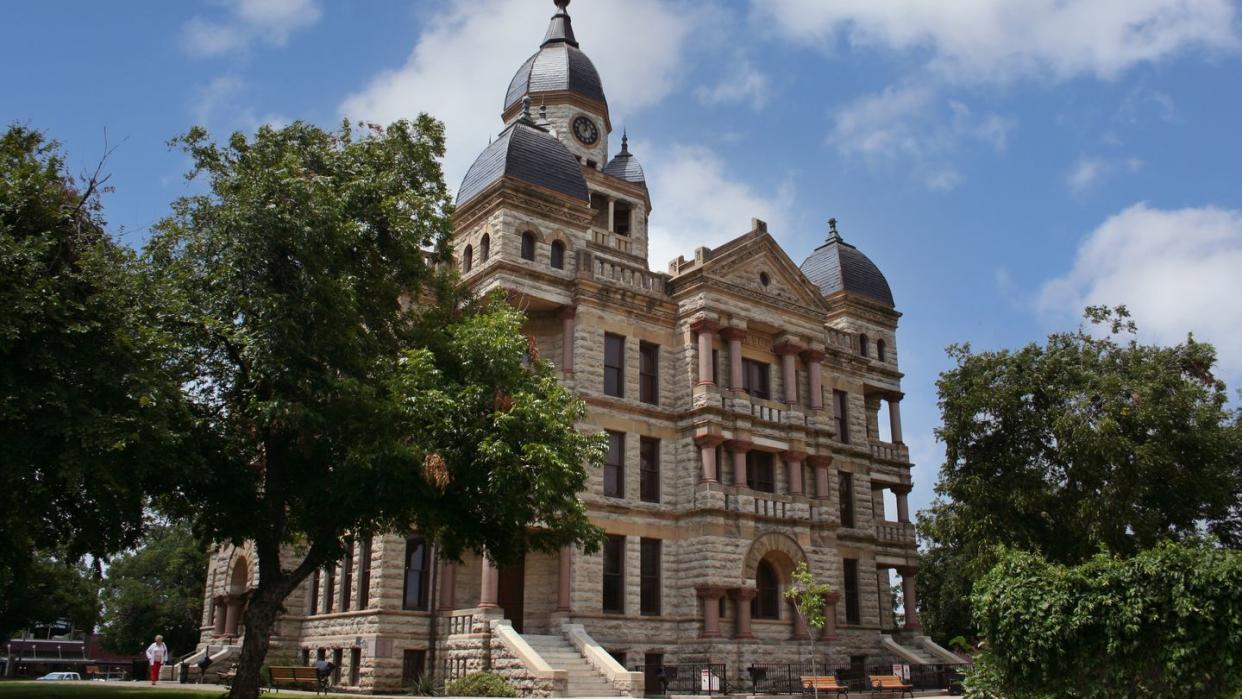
(55,690)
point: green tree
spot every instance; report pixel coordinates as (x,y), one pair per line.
(810,600)
(1089,442)
(156,589)
(90,416)
(1165,623)
(53,589)
(348,387)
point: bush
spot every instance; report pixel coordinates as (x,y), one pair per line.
(1166,623)
(480,684)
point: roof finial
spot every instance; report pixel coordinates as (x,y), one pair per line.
(560,29)
(833,235)
(561,4)
(625,142)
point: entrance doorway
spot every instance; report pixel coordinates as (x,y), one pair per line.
(511,595)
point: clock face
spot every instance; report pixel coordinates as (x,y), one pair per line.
(586,131)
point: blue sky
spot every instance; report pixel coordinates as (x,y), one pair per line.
(1005,162)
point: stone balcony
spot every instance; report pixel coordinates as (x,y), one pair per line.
(760,504)
(887,451)
(900,534)
(613,241)
(620,274)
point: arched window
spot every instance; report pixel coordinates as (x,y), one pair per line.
(467,259)
(879,350)
(767,603)
(558,254)
(417,563)
(862,344)
(528,246)
(485,247)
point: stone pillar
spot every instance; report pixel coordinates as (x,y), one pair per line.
(743,596)
(567,314)
(707,447)
(800,630)
(706,329)
(448,581)
(735,337)
(816,374)
(903,504)
(910,595)
(234,615)
(793,463)
(489,583)
(829,632)
(821,464)
(562,597)
(612,209)
(220,612)
(789,354)
(739,449)
(711,610)
(894,418)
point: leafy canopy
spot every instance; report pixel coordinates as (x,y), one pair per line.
(1165,623)
(1092,441)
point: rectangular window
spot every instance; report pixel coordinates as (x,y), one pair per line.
(329,591)
(347,575)
(614,466)
(851,591)
(756,378)
(355,666)
(417,564)
(336,665)
(306,656)
(649,576)
(841,406)
(413,663)
(364,574)
(312,595)
(649,373)
(760,473)
(845,496)
(614,365)
(649,469)
(614,574)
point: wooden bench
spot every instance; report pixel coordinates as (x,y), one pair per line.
(891,683)
(823,683)
(297,676)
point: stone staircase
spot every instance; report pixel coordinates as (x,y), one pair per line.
(918,650)
(584,679)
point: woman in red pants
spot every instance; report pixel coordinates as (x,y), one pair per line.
(157,655)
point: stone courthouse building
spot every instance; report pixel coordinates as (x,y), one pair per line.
(741,393)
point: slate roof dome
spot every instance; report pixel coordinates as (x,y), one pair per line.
(558,66)
(528,153)
(838,266)
(625,166)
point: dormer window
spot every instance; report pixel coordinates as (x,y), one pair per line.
(528,246)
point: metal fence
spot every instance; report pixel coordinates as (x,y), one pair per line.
(687,678)
(783,678)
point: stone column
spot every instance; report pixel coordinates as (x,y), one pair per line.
(567,314)
(821,463)
(910,595)
(743,596)
(735,337)
(707,447)
(706,329)
(220,612)
(489,583)
(903,504)
(234,615)
(800,630)
(793,463)
(612,209)
(562,597)
(448,581)
(789,354)
(829,632)
(816,374)
(739,448)
(711,610)
(894,418)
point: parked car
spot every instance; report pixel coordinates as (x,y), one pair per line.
(52,676)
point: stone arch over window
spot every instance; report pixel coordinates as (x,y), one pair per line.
(880,350)
(485,248)
(556,255)
(239,576)
(528,245)
(467,258)
(780,549)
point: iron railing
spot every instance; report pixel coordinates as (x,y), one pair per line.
(688,678)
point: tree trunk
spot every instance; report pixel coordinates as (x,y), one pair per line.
(259,618)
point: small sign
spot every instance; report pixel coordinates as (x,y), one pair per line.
(902,671)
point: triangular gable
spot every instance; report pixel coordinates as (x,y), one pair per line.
(743,261)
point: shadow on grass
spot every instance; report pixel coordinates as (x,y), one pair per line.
(103,690)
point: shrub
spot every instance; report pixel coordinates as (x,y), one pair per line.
(480,684)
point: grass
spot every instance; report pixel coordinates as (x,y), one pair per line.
(56,690)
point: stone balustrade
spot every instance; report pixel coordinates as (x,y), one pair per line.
(900,533)
(887,451)
(632,276)
(610,240)
(461,623)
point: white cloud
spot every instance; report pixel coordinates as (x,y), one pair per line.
(1002,40)
(464,59)
(697,202)
(247,22)
(1090,171)
(913,124)
(1177,271)
(223,105)
(743,84)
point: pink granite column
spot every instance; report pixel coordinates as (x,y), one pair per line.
(910,594)
(793,462)
(562,597)
(894,418)
(221,610)
(800,630)
(711,610)
(739,448)
(735,337)
(567,314)
(821,464)
(816,373)
(707,447)
(829,632)
(789,354)
(706,329)
(448,581)
(903,503)
(234,615)
(488,584)
(743,596)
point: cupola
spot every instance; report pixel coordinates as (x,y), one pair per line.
(838,266)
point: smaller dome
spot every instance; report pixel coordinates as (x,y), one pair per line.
(838,266)
(558,66)
(525,152)
(625,166)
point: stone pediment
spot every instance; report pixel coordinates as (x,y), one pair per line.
(747,262)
